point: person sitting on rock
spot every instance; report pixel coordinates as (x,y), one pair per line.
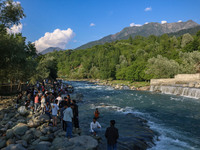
(94,126)
(55,109)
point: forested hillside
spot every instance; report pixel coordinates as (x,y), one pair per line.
(138,59)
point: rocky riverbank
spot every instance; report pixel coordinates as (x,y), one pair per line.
(21,129)
(119,84)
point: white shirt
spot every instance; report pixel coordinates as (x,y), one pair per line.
(59,99)
(55,109)
(94,126)
(42,102)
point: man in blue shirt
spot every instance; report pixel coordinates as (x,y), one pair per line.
(68,115)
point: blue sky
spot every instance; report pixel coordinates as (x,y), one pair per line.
(82,21)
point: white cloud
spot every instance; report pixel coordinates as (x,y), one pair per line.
(15,29)
(92,24)
(180,21)
(133,24)
(163,22)
(58,38)
(146,22)
(148,9)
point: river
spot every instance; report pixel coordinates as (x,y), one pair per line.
(175,119)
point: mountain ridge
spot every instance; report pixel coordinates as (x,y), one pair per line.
(153,28)
(50,49)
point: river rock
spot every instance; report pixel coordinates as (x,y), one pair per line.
(23,111)
(37,133)
(9,133)
(60,143)
(62,134)
(44,138)
(86,141)
(2,143)
(36,142)
(144,88)
(15,147)
(31,124)
(44,145)
(51,137)
(24,143)
(43,130)
(28,138)
(20,129)
(21,121)
(10,141)
(9,124)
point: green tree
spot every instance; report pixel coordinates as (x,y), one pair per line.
(161,67)
(187,38)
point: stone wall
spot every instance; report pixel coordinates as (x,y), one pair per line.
(188,77)
(178,79)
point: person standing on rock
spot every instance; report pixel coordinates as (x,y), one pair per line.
(68,115)
(55,109)
(112,135)
(48,110)
(36,102)
(42,103)
(59,98)
(94,126)
(74,107)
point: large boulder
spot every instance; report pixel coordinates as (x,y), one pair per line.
(86,141)
(20,129)
(60,143)
(23,111)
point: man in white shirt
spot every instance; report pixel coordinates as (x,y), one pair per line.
(59,98)
(55,109)
(68,115)
(94,126)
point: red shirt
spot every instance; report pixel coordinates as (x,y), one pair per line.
(36,99)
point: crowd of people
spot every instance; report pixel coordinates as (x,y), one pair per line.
(46,99)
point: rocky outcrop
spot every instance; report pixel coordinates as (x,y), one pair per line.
(21,129)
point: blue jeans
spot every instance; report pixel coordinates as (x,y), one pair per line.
(69,129)
(112,147)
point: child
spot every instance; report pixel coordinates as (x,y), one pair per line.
(96,113)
